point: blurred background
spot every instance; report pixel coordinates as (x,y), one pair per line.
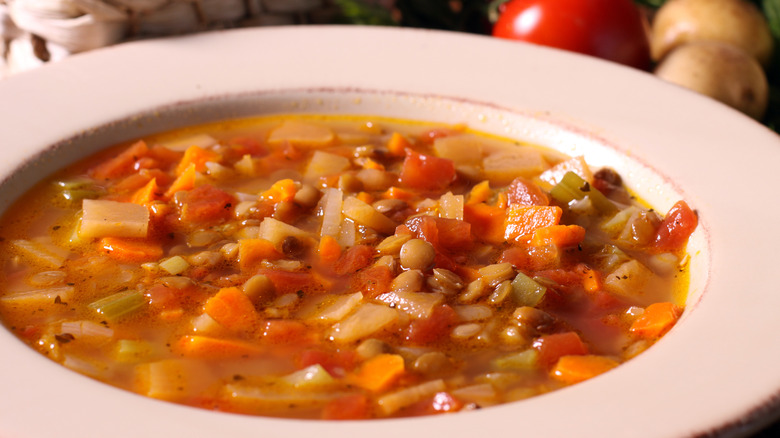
(726,49)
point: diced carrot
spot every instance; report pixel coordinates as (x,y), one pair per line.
(128,250)
(372,164)
(121,164)
(380,372)
(553,347)
(575,369)
(232,309)
(656,320)
(398,193)
(131,183)
(329,250)
(204,347)
(487,221)
(365,197)
(522,220)
(558,235)
(281,191)
(185,181)
(479,193)
(502,201)
(398,144)
(591,278)
(197,156)
(251,252)
(348,407)
(146,194)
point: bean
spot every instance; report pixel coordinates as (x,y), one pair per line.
(259,288)
(417,254)
(408,281)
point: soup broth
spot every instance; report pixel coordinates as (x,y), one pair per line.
(339,268)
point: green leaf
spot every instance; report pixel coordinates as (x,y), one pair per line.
(360,12)
(772,13)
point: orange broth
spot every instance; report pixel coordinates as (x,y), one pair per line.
(339,268)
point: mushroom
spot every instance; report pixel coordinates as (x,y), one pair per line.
(721,71)
(736,22)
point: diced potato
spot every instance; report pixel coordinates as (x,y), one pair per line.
(273,398)
(482,394)
(116,219)
(46,255)
(276,231)
(172,379)
(416,304)
(461,149)
(502,167)
(451,206)
(634,281)
(367,320)
(577,165)
(330,308)
(395,401)
(299,133)
(311,377)
(365,214)
(323,164)
(331,203)
(202,141)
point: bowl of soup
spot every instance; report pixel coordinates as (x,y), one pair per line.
(339,230)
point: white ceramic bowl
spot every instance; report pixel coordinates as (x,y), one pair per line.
(717,371)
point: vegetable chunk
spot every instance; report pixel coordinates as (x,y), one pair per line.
(115,219)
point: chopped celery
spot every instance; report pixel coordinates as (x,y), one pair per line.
(77,189)
(310,377)
(572,188)
(119,304)
(524,360)
(132,351)
(526,291)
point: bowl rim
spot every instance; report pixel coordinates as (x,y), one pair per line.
(611,123)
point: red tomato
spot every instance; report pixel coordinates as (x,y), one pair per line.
(348,407)
(426,172)
(433,328)
(677,226)
(608,29)
(553,347)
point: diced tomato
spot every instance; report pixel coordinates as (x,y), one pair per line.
(122,164)
(336,363)
(677,226)
(354,259)
(426,172)
(206,204)
(283,331)
(553,347)
(286,282)
(440,403)
(454,234)
(524,192)
(373,281)
(241,146)
(532,258)
(433,328)
(348,407)
(429,136)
